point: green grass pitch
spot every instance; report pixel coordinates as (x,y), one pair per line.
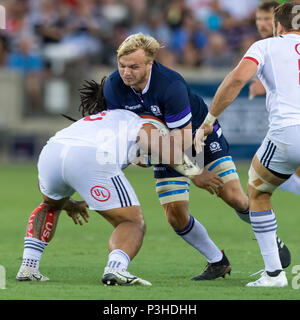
(75,259)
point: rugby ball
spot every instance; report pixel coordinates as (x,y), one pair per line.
(159,124)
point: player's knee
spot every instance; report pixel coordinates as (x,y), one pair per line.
(141,224)
(138,220)
(257,195)
(177,214)
(54,205)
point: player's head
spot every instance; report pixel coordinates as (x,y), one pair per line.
(286,18)
(135,57)
(264,18)
(92,98)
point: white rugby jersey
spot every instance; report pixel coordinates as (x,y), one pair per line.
(278,61)
(112,132)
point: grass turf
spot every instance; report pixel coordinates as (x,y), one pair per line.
(75,259)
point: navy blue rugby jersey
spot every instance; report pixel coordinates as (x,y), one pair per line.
(166,95)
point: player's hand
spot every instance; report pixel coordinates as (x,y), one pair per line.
(209,181)
(77,210)
(256,88)
(201,135)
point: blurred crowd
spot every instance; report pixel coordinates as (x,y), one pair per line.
(43,36)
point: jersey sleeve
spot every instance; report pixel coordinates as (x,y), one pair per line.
(110,95)
(256,53)
(177,105)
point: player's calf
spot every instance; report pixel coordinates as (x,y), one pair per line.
(40,230)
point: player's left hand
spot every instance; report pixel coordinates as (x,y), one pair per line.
(76,210)
(201,135)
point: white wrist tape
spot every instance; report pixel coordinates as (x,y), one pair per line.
(210,119)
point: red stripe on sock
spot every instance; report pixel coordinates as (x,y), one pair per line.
(29,232)
(49,221)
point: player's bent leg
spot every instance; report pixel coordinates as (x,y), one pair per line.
(129,229)
(124,243)
(40,230)
(232,192)
(260,187)
(173,194)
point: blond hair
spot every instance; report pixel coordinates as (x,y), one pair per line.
(139,41)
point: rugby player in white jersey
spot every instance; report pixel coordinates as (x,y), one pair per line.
(276,61)
(88,157)
(264,23)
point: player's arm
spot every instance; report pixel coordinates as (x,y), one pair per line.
(167,148)
(178,114)
(186,136)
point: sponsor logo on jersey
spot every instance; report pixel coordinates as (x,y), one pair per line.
(100,193)
(138,106)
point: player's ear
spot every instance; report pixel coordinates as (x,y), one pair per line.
(278,29)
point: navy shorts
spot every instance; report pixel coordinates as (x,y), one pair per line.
(216,147)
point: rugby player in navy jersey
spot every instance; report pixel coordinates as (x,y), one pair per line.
(143,85)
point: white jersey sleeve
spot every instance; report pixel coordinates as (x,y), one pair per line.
(278,61)
(256,53)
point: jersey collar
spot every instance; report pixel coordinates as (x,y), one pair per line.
(291,35)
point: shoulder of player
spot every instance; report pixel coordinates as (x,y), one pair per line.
(165,75)
(167,81)
(266,42)
(114,82)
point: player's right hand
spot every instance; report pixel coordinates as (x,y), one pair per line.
(209,181)
(76,210)
(201,135)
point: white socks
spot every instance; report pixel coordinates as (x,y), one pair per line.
(264,226)
(118,259)
(33,249)
(196,235)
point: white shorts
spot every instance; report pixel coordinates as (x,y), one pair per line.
(280,150)
(64,169)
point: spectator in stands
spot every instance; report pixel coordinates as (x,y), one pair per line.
(25,60)
(3,51)
(190,36)
(83,33)
(217,54)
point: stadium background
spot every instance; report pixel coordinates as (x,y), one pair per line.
(46,51)
(49,48)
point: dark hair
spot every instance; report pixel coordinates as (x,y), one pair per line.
(285,16)
(268,6)
(92,98)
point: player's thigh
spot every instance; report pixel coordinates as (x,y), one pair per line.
(50,172)
(262,179)
(217,158)
(172,189)
(280,152)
